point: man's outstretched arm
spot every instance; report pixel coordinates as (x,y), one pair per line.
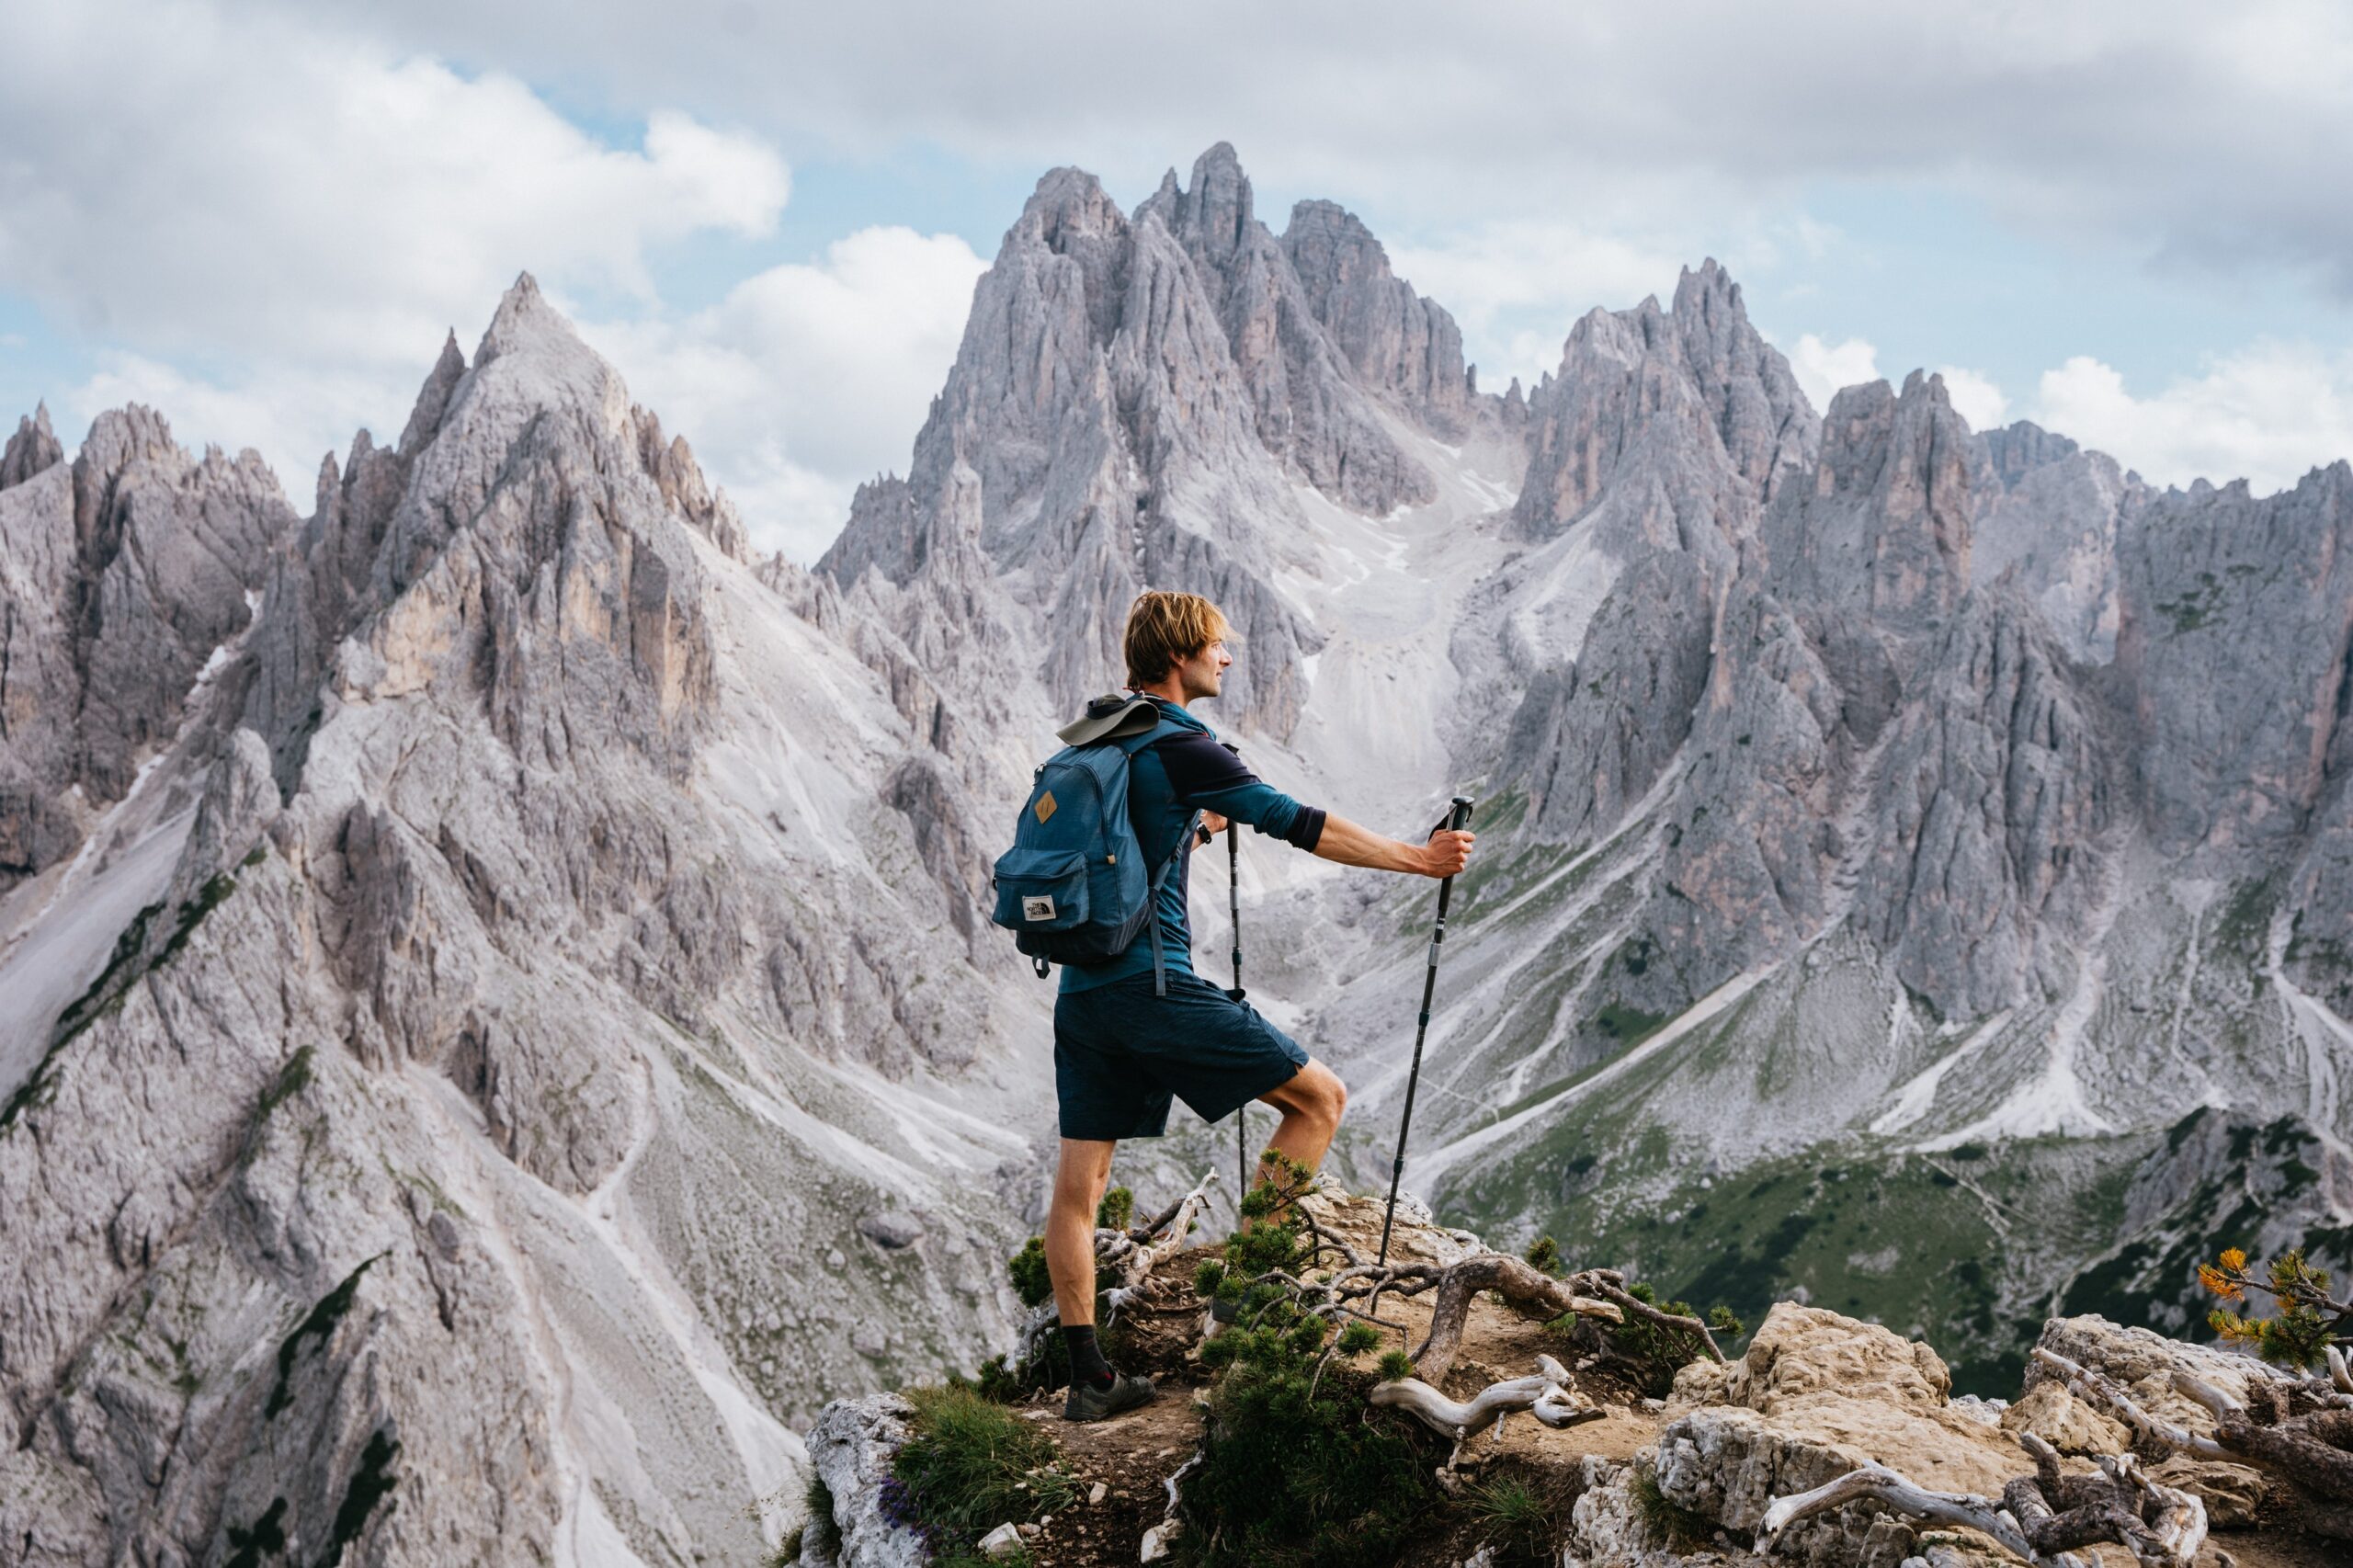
(1446,853)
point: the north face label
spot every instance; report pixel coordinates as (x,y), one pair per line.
(1037,909)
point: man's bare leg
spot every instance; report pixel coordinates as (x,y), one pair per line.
(1312,1101)
(1079,1181)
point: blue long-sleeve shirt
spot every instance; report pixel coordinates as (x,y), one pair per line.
(1168,782)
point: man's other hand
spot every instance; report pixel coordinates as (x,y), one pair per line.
(1448,852)
(1212,823)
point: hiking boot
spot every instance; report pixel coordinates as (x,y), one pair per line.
(1086,1402)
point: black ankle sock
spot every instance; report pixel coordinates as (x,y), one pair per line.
(1087,1363)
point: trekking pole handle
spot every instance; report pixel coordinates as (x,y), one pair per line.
(1462,812)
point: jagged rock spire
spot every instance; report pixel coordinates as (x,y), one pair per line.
(33,449)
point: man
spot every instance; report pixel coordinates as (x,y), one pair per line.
(1121,1050)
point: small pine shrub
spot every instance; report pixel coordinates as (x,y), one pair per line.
(1209,1277)
(1290,1479)
(1118,1209)
(1396,1366)
(1657,1351)
(1544,1256)
(970,1467)
(1271,1235)
(2306,1320)
(1357,1338)
(1028,1267)
(1001,1382)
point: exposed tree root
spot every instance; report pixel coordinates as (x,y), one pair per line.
(1523,1285)
(2042,1517)
(1137,1252)
(1137,1256)
(1544,1394)
(1594,1293)
(2298,1429)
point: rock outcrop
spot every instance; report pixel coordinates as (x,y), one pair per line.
(2049,513)
(33,449)
(1136,402)
(125,577)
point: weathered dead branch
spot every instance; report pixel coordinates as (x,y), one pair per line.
(1545,1395)
(2042,1517)
(1520,1284)
(2297,1430)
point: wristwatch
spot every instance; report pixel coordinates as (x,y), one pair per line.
(1205,836)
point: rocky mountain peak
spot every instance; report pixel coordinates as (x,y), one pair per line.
(1685,413)
(1767,426)
(1885,522)
(1217,212)
(32,449)
(2018,448)
(433,397)
(1398,342)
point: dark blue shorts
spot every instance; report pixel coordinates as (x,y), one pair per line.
(1120,1053)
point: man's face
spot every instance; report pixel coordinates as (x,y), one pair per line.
(1203,674)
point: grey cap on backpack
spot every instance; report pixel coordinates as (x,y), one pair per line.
(1110,717)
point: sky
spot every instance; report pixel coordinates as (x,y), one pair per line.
(2128,221)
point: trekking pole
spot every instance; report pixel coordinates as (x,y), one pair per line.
(1461,816)
(1233,903)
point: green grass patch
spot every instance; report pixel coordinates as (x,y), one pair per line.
(970,1466)
(1629,1026)
(1520,1523)
(1681,1527)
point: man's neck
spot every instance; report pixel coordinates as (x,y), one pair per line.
(1170,691)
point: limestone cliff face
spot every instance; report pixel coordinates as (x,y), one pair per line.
(1137,402)
(1993,814)
(1881,534)
(1685,419)
(431,1100)
(2049,513)
(1398,342)
(120,574)
(2231,638)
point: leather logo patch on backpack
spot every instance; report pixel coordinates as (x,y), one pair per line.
(1037,909)
(1045,807)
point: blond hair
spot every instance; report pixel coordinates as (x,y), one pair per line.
(1164,629)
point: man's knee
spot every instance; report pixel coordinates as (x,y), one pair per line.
(1085,1171)
(1321,1095)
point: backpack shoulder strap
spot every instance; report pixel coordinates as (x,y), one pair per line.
(1111,718)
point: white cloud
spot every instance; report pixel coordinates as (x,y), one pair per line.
(1515,287)
(2267,413)
(259,187)
(806,380)
(1822,369)
(265,230)
(2187,129)
(1974,397)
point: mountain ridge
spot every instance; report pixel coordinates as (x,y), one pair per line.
(520,917)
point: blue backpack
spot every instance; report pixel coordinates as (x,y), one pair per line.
(1073,888)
